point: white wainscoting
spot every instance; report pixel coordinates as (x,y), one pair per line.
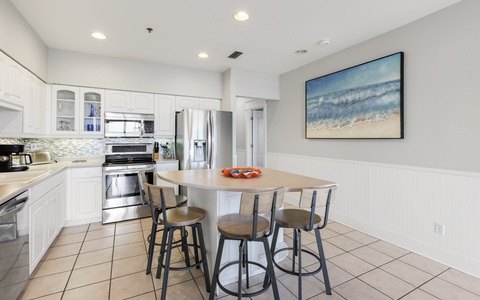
(400,204)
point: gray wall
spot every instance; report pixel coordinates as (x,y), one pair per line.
(442,107)
(20,41)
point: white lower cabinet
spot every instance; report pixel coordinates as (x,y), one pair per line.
(47,215)
(85,187)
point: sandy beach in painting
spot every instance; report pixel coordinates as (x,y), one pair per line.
(389,128)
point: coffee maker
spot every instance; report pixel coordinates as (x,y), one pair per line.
(12,159)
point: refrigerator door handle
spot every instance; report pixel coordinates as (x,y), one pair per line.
(210,141)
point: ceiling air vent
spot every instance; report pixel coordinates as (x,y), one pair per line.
(235,54)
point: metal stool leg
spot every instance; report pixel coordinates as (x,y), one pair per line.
(323,261)
(167,264)
(274,244)
(151,246)
(216,269)
(162,253)
(299,253)
(195,243)
(270,270)
(203,251)
(240,256)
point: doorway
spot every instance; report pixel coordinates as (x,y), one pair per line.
(255,133)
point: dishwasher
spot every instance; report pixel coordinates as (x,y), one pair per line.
(14,247)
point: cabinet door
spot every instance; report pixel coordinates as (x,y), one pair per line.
(37,232)
(142,103)
(3,67)
(164,115)
(209,104)
(61,217)
(185,102)
(40,107)
(86,198)
(92,114)
(173,166)
(29,110)
(117,101)
(65,109)
(51,216)
(15,82)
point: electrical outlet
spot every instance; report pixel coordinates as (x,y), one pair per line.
(439,229)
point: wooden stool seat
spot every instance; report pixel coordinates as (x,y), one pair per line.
(296,218)
(240,227)
(184,216)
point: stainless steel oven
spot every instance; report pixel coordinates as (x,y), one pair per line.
(121,194)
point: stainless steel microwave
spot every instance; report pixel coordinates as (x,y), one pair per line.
(129,125)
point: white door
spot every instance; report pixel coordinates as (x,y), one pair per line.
(258,138)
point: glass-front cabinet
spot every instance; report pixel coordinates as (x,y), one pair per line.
(92,110)
(77,110)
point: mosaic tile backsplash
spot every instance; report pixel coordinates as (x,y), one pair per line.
(75,147)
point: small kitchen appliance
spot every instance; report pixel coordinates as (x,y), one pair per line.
(129,125)
(12,159)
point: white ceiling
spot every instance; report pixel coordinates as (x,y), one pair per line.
(183,28)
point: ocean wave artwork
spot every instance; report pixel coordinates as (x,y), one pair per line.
(365,101)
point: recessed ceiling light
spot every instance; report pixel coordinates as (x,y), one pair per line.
(301,51)
(98,35)
(241,16)
(202,55)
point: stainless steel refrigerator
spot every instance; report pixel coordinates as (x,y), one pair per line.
(204,139)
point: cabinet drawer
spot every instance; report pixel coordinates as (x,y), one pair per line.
(87,172)
(167,166)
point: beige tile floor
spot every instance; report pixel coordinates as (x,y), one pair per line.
(98,261)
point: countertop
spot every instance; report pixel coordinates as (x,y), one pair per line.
(8,191)
(213,179)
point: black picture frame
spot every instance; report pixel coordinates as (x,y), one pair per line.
(361,102)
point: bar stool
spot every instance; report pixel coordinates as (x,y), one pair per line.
(249,226)
(173,218)
(156,211)
(301,219)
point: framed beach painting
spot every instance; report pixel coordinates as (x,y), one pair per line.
(361,102)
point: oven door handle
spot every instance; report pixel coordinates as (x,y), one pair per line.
(125,172)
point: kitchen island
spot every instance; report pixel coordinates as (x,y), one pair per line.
(219,195)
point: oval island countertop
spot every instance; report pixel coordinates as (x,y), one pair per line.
(213,179)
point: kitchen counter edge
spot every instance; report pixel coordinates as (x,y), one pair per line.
(9,191)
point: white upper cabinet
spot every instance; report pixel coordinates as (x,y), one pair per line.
(65,100)
(12,83)
(142,103)
(164,115)
(198,103)
(34,110)
(92,111)
(77,111)
(186,102)
(129,102)
(209,104)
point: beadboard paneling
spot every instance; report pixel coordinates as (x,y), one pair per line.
(401,204)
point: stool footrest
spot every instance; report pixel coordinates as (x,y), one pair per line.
(251,294)
(194,265)
(292,272)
